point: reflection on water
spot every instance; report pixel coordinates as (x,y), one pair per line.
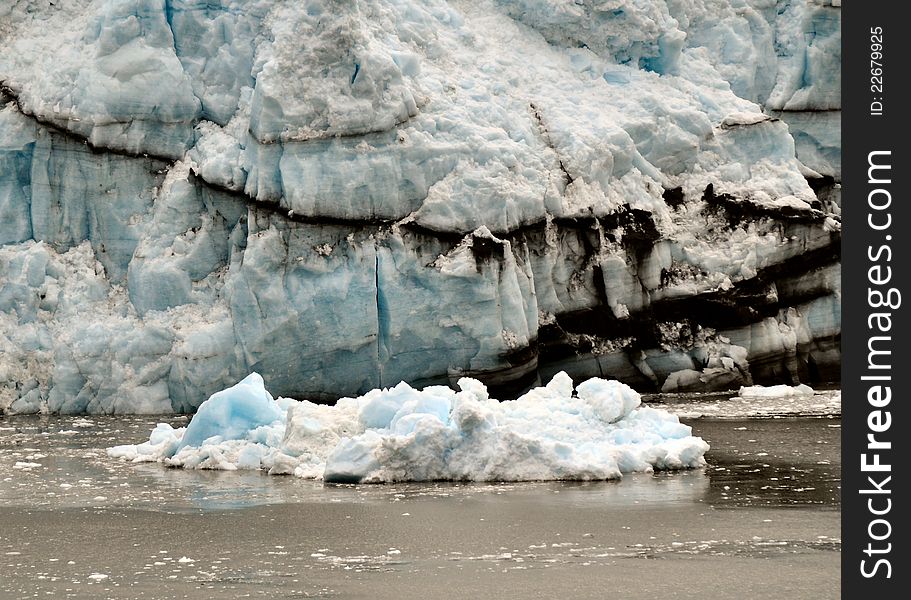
(219,490)
(780,462)
(146,531)
(61,462)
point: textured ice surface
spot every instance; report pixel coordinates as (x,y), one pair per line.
(341,195)
(775,391)
(233,413)
(404,434)
(760,402)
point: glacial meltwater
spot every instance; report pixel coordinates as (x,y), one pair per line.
(761,518)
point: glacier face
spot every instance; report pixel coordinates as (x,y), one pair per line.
(341,195)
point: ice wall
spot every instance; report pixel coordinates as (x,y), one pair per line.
(341,195)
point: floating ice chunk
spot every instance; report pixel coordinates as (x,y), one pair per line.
(232,413)
(428,402)
(610,400)
(743,119)
(471,416)
(381,406)
(474,387)
(163,442)
(561,384)
(352,458)
(791,202)
(404,434)
(313,427)
(775,391)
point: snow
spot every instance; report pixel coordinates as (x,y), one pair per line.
(454,77)
(405,434)
(768,404)
(775,391)
(343,195)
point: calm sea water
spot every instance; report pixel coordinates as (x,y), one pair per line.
(761,521)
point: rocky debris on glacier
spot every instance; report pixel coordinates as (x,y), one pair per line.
(599,431)
(343,195)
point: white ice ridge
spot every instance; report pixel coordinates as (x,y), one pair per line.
(403,434)
(775,391)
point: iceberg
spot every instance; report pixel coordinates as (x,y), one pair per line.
(403,434)
(775,391)
(342,195)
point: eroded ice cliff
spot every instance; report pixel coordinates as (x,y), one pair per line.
(343,194)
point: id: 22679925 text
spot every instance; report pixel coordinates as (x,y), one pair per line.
(876,71)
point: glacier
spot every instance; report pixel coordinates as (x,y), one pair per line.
(341,195)
(598,432)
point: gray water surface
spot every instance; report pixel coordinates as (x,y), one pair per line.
(761,521)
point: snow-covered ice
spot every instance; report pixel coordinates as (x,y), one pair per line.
(344,194)
(751,402)
(775,391)
(405,434)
